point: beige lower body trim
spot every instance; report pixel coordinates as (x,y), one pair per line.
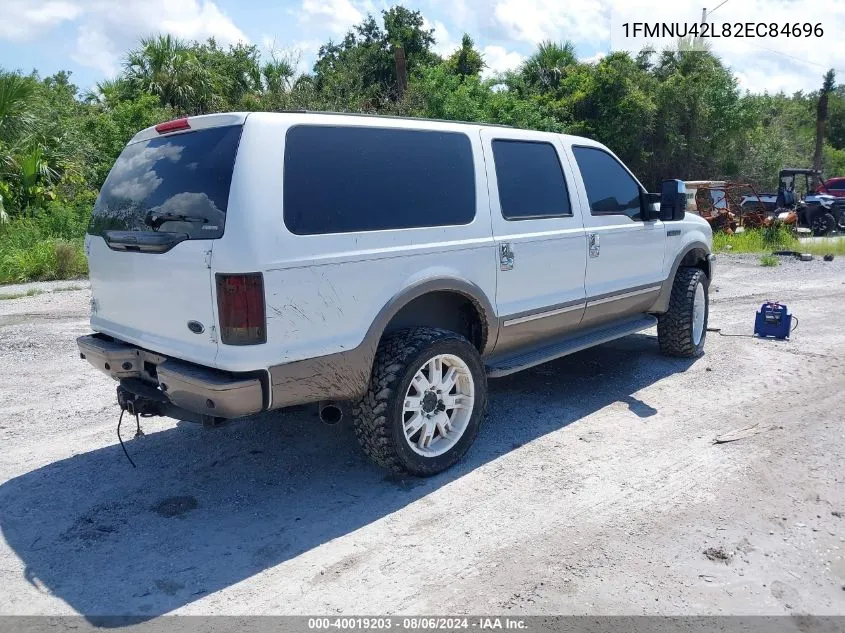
(624,295)
(542,315)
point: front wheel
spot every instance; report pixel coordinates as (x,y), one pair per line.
(822,224)
(681,330)
(426,401)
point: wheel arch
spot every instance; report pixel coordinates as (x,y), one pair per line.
(434,301)
(693,255)
(346,375)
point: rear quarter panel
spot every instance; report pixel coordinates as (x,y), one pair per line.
(323,292)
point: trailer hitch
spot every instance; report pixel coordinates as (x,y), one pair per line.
(137,405)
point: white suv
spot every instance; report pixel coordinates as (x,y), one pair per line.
(254,261)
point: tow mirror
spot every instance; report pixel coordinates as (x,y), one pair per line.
(673,200)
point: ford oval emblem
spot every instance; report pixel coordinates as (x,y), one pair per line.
(196,327)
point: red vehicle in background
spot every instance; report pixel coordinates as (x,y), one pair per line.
(833,186)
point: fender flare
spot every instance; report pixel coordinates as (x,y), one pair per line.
(471,291)
(697,250)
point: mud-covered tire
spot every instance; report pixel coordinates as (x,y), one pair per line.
(675,331)
(378,417)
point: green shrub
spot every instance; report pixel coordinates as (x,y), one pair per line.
(778,236)
(46,244)
(769,260)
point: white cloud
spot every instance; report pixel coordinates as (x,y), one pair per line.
(760,63)
(444,45)
(783,63)
(593,59)
(23,19)
(537,20)
(337,15)
(105,29)
(498,60)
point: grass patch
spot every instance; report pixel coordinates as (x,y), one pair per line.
(43,260)
(769,260)
(831,246)
(756,241)
(32,249)
(20,295)
(775,239)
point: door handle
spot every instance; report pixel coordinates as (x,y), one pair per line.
(505,256)
(595,244)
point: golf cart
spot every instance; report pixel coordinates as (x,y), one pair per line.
(818,212)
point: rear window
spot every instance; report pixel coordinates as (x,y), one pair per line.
(349,179)
(175,184)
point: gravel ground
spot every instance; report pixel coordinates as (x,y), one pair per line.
(595,486)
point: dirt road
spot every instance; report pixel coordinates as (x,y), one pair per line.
(594,487)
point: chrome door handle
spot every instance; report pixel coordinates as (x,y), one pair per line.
(505,256)
(595,244)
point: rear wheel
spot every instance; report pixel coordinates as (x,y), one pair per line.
(681,331)
(425,404)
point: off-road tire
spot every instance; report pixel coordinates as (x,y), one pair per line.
(674,327)
(826,224)
(377,417)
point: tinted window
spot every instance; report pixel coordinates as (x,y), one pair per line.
(530,180)
(345,179)
(838,185)
(177,183)
(610,188)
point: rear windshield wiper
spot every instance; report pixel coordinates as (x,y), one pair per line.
(155,220)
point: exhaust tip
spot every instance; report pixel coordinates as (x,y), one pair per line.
(330,413)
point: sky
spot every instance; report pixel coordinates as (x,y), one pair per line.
(89,37)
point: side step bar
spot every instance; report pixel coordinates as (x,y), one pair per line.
(498,367)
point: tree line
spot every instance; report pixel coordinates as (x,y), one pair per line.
(666,114)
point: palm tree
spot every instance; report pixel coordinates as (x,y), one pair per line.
(109,92)
(278,74)
(15,94)
(545,68)
(165,66)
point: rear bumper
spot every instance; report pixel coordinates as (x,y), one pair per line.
(197,389)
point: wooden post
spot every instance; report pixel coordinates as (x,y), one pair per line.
(401,71)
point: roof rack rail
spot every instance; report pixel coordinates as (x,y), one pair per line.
(394,116)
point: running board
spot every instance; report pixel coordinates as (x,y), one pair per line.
(499,367)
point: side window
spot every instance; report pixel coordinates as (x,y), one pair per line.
(340,179)
(531,183)
(610,188)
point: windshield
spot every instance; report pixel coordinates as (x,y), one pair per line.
(174,184)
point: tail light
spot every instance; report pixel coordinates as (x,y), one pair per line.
(240,305)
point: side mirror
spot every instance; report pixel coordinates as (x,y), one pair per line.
(673,200)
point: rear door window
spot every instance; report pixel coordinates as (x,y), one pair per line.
(177,184)
(350,179)
(530,180)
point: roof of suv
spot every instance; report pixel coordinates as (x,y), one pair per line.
(392,116)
